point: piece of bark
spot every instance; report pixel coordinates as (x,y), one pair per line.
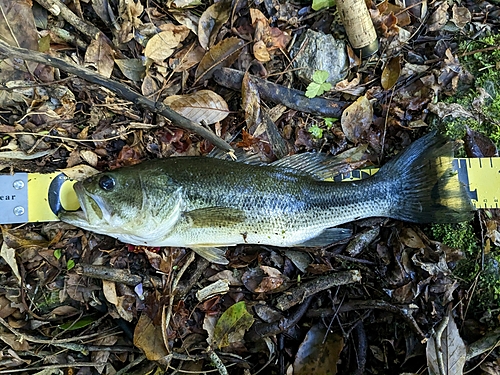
(300,293)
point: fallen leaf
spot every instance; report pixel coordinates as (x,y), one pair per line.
(449,347)
(250,102)
(391,73)
(148,338)
(163,44)
(356,119)
(263,279)
(260,51)
(211,21)
(109,290)
(318,353)
(223,54)
(99,55)
(203,105)
(439,18)
(460,16)
(232,325)
(9,255)
(133,69)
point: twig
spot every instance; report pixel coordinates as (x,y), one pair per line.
(403,311)
(300,293)
(116,87)
(291,98)
(166,317)
(57,8)
(54,367)
(115,275)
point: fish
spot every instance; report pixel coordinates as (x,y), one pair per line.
(207,203)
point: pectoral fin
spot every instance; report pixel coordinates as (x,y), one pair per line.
(215,216)
(212,254)
(327,237)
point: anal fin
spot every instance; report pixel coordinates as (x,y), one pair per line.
(212,254)
(327,237)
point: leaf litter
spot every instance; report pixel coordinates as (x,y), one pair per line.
(411,310)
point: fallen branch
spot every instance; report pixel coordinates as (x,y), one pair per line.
(116,87)
(273,92)
(300,293)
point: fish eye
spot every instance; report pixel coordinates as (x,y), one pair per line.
(107,183)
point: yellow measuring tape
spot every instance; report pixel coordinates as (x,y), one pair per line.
(34,197)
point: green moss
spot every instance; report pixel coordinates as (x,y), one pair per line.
(460,236)
(485,67)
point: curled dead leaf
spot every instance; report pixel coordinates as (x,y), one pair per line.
(223,54)
(163,44)
(356,119)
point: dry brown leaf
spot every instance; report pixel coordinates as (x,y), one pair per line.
(439,18)
(461,16)
(163,44)
(260,51)
(186,58)
(203,105)
(148,338)
(100,56)
(263,279)
(391,73)
(250,102)
(133,69)
(9,255)
(223,54)
(356,119)
(109,290)
(211,22)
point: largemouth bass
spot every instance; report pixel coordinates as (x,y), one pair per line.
(204,203)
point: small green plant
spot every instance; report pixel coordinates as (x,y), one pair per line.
(57,254)
(319,85)
(460,236)
(317,131)
(70,265)
(320,4)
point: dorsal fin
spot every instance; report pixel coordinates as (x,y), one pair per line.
(319,165)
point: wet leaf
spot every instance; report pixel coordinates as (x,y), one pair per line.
(232,325)
(211,21)
(148,338)
(99,55)
(391,73)
(449,348)
(203,105)
(356,119)
(133,69)
(318,353)
(478,145)
(223,54)
(163,44)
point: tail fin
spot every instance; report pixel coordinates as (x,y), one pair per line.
(424,184)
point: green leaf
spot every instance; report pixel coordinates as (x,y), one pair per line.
(320,4)
(232,325)
(57,254)
(316,89)
(70,264)
(320,76)
(316,131)
(329,121)
(81,323)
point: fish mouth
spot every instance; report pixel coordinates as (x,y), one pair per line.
(91,212)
